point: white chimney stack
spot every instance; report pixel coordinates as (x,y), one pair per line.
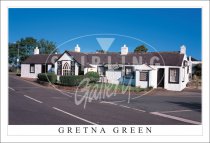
(183,49)
(190,58)
(36,51)
(77,48)
(124,50)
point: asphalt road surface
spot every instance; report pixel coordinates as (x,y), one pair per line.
(34,104)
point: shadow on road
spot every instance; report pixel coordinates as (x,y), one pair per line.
(192,105)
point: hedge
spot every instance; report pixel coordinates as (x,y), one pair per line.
(48,77)
(71,80)
(93,76)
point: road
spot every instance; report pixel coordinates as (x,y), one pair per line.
(34,104)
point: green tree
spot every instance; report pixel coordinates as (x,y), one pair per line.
(100,51)
(198,69)
(26,48)
(140,49)
(12,53)
(47,47)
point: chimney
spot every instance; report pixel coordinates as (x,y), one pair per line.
(124,50)
(183,49)
(36,51)
(77,48)
(190,58)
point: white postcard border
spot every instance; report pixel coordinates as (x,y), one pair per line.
(196,133)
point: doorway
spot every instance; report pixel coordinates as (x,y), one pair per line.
(44,68)
(160,77)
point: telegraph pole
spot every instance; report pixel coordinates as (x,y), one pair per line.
(18,58)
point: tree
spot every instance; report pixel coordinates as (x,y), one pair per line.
(140,49)
(100,51)
(26,48)
(47,47)
(198,69)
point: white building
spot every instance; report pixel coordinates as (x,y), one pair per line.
(168,70)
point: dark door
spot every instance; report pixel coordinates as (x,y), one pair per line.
(44,68)
(160,77)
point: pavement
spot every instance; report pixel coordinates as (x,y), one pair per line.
(34,104)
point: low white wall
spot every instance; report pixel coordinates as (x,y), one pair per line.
(93,69)
(25,70)
(114,76)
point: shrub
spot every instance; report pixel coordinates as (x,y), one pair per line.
(71,80)
(48,77)
(93,76)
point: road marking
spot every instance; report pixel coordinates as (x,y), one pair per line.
(105,102)
(12,88)
(124,106)
(175,111)
(132,108)
(74,116)
(32,99)
(138,110)
(176,118)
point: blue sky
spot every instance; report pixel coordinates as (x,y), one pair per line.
(164,29)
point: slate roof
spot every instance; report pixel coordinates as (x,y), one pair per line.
(41,59)
(164,58)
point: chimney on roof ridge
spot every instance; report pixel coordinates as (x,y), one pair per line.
(124,50)
(77,48)
(183,49)
(36,51)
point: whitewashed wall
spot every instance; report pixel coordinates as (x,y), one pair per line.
(49,68)
(92,69)
(141,84)
(114,77)
(25,70)
(167,85)
(76,69)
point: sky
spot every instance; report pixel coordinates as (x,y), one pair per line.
(158,29)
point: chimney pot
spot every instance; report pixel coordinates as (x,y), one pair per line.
(183,49)
(77,48)
(124,50)
(36,51)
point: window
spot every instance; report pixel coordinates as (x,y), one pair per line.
(66,69)
(144,76)
(59,67)
(128,70)
(174,75)
(32,68)
(129,73)
(101,70)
